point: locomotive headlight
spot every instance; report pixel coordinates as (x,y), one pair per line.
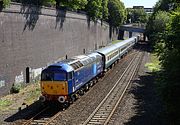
(61,99)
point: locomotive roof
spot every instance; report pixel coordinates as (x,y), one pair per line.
(62,66)
(75,62)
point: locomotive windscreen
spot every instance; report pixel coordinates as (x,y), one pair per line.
(53,76)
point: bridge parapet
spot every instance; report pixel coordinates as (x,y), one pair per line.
(132,28)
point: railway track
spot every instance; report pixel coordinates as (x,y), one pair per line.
(46,116)
(102,114)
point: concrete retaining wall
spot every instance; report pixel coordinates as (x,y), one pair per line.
(31,38)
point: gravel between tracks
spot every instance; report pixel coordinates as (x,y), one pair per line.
(141,105)
(82,108)
(78,112)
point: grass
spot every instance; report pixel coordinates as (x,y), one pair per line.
(4,104)
(154,65)
(33,95)
(27,95)
(116,41)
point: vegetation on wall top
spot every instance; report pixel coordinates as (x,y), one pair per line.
(112,11)
(163,30)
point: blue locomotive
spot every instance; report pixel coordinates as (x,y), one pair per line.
(66,80)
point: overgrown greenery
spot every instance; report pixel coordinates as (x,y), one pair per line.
(15,88)
(154,66)
(33,95)
(105,10)
(94,9)
(72,4)
(4,103)
(6,3)
(28,95)
(164,31)
(112,11)
(116,13)
(116,41)
(136,16)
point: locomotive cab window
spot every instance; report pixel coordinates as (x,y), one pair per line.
(47,76)
(51,76)
(60,76)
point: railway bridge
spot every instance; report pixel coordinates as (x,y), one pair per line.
(131,28)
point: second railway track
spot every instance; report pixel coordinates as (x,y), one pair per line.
(102,114)
(104,111)
(44,117)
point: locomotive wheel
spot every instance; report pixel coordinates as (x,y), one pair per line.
(94,81)
(97,79)
(66,105)
(86,87)
(76,96)
(81,92)
(72,99)
(91,83)
(102,74)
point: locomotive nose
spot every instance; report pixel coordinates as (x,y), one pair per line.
(61,99)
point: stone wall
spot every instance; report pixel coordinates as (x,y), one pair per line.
(32,38)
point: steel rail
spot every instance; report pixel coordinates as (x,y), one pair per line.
(106,114)
(121,97)
(49,120)
(30,120)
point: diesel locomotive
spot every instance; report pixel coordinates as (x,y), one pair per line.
(64,81)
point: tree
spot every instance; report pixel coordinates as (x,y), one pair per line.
(166,5)
(4,3)
(163,28)
(137,15)
(72,4)
(94,9)
(170,60)
(116,13)
(49,2)
(157,25)
(129,15)
(140,15)
(105,10)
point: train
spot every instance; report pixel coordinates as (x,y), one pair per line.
(66,80)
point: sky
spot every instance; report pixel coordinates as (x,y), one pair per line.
(145,3)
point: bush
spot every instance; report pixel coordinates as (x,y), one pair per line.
(6,3)
(15,88)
